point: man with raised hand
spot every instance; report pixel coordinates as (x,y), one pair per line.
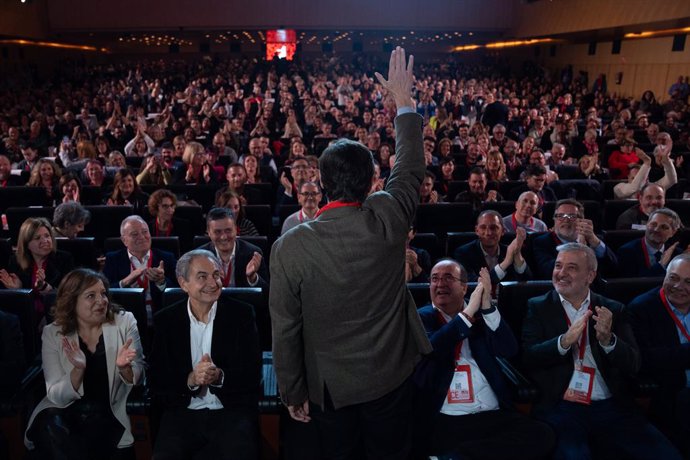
(344,344)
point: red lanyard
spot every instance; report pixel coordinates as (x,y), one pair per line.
(645,250)
(144,283)
(157,232)
(300,216)
(337,204)
(228,274)
(515,222)
(675,319)
(458,347)
(583,341)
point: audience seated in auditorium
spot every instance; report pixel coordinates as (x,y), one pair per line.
(153,172)
(92,357)
(579,350)
(236,177)
(161,206)
(231,200)
(650,198)
(309,197)
(242,263)
(535,181)
(660,322)
(649,255)
(526,207)
(477,193)
(69,219)
(291,178)
(126,192)
(206,369)
(487,251)
(570,226)
(460,387)
(138,265)
(37,264)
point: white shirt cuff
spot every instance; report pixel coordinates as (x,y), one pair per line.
(402,110)
(561,350)
(493,319)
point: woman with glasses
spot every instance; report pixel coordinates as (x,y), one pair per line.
(162,204)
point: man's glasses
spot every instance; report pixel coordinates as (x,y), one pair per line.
(563,216)
(435,279)
(310,194)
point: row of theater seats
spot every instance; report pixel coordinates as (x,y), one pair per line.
(86,250)
(14,408)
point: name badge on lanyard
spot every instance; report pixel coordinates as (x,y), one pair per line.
(461,390)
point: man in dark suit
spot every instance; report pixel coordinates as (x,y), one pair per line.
(243,263)
(461,389)
(649,256)
(570,226)
(487,250)
(579,350)
(140,266)
(206,369)
(661,325)
(344,344)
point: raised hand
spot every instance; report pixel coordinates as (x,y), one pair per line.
(74,353)
(475,300)
(485,282)
(400,78)
(125,355)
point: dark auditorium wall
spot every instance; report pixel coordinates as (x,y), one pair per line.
(26,20)
(380,14)
(545,18)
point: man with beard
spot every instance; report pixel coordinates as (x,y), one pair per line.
(569,226)
(649,255)
(650,198)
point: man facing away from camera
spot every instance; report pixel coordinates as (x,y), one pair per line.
(345,345)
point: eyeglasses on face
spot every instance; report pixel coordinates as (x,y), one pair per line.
(564,216)
(447,278)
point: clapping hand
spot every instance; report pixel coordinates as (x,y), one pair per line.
(485,283)
(253,267)
(156,274)
(125,355)
(10,280)
(603,319)
(575,330)
(205,372)
(74,353)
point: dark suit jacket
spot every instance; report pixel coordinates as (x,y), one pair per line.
(59,263)
(547,193)
(664,359)
(631,216)
(252,195)
(435,372)
(234,349)
(551,371)
(632,261)
(471,257)
(244,252)
(544,251)
(341,315)
(118,266)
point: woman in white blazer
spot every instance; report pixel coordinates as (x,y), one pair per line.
(92,357)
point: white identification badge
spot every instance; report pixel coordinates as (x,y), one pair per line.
(461,390)
(580,386)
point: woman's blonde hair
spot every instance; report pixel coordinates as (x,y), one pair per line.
(27,232)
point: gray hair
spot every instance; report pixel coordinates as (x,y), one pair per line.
(671,214)
(71,213)
(129,219)
(591,257)
(182,268)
